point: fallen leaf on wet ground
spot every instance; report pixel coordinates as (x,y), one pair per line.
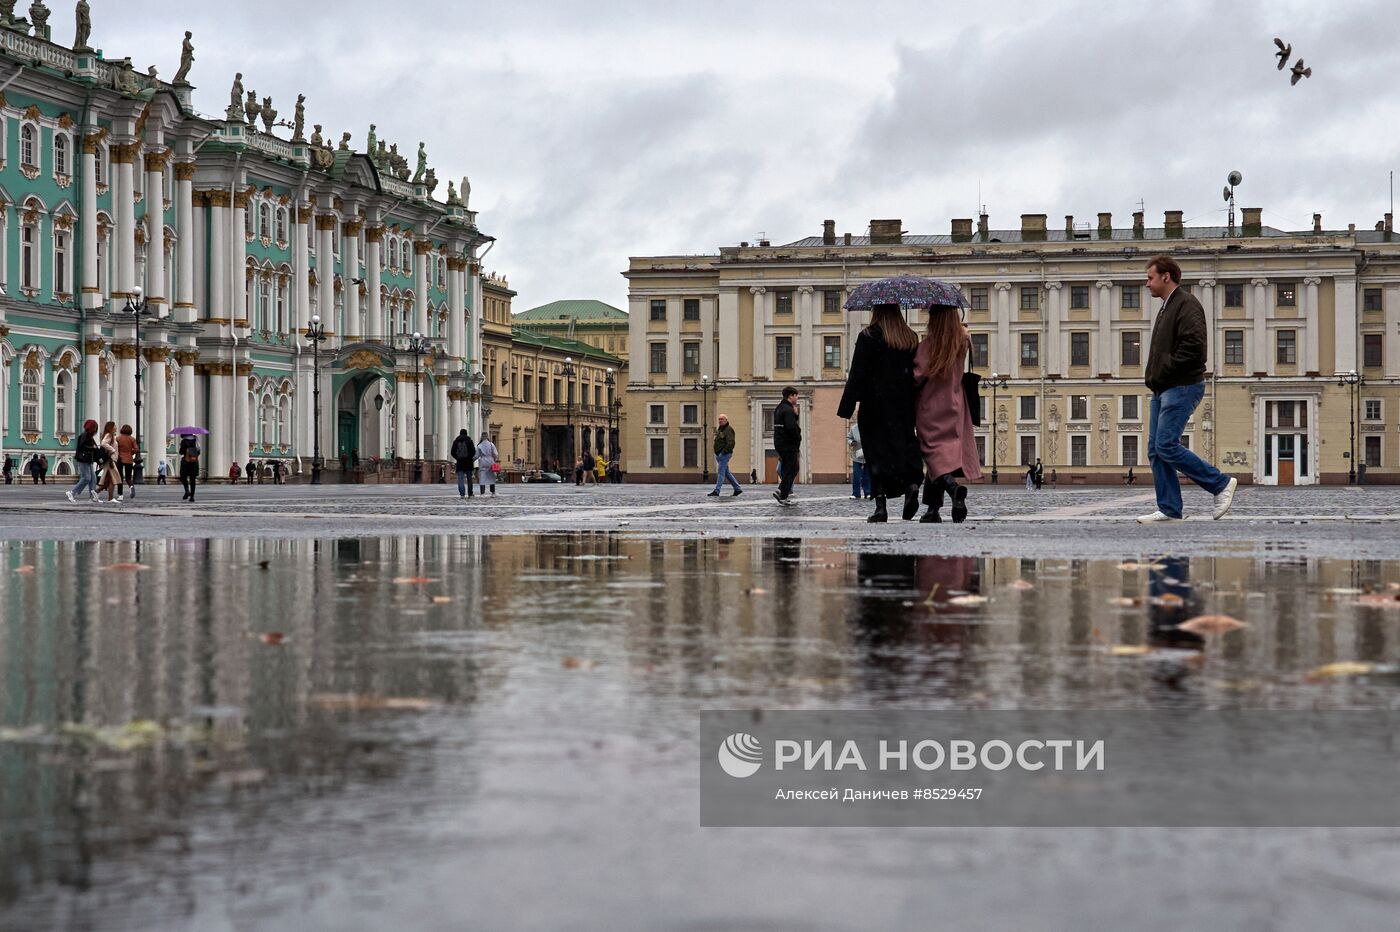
(1020,584)
(1345,668)
(370,702)
(1211,624)
(412,580)
(273,637)
(126,567)
(1125,602)
(966,600)
(579,663)
(1129,650)
(441,599)
(1168,599)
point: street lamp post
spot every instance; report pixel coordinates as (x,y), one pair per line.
(1355,380)
(315,335)
(136,306)
(704,387)
(610,380)
(996,382)
(568,373)
(417,346)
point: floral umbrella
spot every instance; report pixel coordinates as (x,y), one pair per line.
(908,291)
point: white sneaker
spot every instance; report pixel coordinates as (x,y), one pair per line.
(71,499)
(118,499)
(1156,518)
(855,498)
(1224,500)
(92,496)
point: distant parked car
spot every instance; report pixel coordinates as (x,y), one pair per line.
(537,475)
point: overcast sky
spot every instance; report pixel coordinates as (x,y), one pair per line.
(597,131)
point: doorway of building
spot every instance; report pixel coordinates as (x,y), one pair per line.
(770,467)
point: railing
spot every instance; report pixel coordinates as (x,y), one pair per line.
(278,148)
(395,186)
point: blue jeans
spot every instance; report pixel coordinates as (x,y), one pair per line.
(860,479)
(722,472)
(86,479)
(464,482)
(1171,410)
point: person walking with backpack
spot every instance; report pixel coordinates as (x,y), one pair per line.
(188,456)
(487,462)
(787,443)
(724,452)
(1176,368)
(162,468)
(463,453)
(86,457)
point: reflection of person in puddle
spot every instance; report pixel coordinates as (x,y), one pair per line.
(1171,602)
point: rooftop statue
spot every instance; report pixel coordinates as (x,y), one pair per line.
(452,199)
(316,139)
(466,192)
(39,16)
(371,141)
(84,31)
(430,180)
(235,99)
(422,163)
(345,141)
(299,126)
(251,109)
(7,12)
(186,59)
(269,115)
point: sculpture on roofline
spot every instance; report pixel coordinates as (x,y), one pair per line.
(452,199)
(39,16)
(299,125)
(251,110)
(344,142)
(381,157)
(371,141)
(269,115)
(186,59)
(430,181)
(7,12)
(235,99)
(316,139)
(422,168)
(84,30)
(466,192)
(152,74)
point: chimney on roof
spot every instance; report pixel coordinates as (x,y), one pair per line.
(962,230)
(1105,226)
(1069,226)
(1174,227)
(1139,229)
(1253,221)
(847,239)
(1351,229)
(982,225)
(744,244)
(1033,227)
(828,232)
(1317,223)
(764,242)
(1389,222)
(886,232)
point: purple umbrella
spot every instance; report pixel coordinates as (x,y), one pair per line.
(908,291)
(181,431)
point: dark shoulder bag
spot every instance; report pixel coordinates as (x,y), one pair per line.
(970,386)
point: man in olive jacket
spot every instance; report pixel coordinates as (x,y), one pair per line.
(1176,367)
(724,449)
(787,443)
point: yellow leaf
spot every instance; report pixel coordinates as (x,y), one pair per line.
(1342,668)
(1129,650)
(1211,624)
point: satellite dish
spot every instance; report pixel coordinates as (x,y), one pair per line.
(1227,192)
(1235,178)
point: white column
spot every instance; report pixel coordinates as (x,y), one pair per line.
(808,355)
(1345,299)
(156,293)
(707,337)
(728,335)
(124,388)
(92,375)
(374,311)
(1003,358)
(156,422)
(186,395)
(420,286)
(1260,359)
(220,440)
(238,266)
(325,278)
(1311,337)
(1051,349)
(1390,346)
(456,319)
(239,400)
(184,228)
(350,270)
(403,415)
(442,434)
(1205,293)
(760,336)
(218,259)
(125,236)
(1104,351)
(91,289)
(301,272)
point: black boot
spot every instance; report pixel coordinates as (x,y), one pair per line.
(959,495)
(911,503)
(880,516)
(933,498)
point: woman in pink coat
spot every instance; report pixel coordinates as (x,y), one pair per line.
(943,419)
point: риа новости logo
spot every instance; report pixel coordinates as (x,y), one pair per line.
(741,755)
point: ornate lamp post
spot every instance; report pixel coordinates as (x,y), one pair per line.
(418,347)
(704,387)
(1355,380)
(610,380)
(136,306)
(315,335)
(995,381)
(568,373)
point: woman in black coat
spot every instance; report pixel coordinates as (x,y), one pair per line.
(881,382)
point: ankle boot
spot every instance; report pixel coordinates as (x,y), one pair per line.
(911,503)
(933,498)
(881,515)
(958,493)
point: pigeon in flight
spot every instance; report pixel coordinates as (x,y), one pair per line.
(1283,53)
(1299,72)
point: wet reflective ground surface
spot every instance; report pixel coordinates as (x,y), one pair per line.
(478,732)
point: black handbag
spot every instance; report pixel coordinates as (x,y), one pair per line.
(970,382)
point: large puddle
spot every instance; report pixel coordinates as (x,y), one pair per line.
(351,733)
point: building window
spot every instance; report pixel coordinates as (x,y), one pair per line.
(1373,451)
(979,350)
(766,413)
(1132,297)
(692,309)
(1287,347)
(831,302)
(61,409)
(831,352)
(29,401)
(282,322)
(690,414)
(1132,347)
(1030,299)
(1079,407)
(1373,409)
(60,154)
(1372,300)
(29,256)
(1079,450)
(782,352)
(1234,347)
(1288,296)
(981,450)
(1028,450)
(265,219)
(1130,449)
(1129,409)
(1078,297)
(1234,295)
(658,359)
(1079,348)
(99,162)
(658,453)
(27,135)
(658,309)
(281,224)
(656,415)
(783,303)
(690,358)
(690,453)
(979,297)
(1030,349)
(1371,349)
(60,262)
(1028,407)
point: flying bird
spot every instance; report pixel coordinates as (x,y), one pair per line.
(1299,72)
(1283,53)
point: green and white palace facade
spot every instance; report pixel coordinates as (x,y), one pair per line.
(236,234)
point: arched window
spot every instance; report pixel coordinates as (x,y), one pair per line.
(265,308)
(264,219)
(29,254)
(99,169)
(60,154)
(281,224)
(29,401)
(269,426)
(393,254)
(248,295)
(62,407)
(62,280)
(27,145)
(249,227)
(284,420)
(281,323)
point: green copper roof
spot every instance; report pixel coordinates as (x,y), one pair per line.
(573,347)
(577,310)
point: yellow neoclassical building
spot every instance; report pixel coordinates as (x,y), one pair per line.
(1063,318)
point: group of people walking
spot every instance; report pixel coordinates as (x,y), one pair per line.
(483,455)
